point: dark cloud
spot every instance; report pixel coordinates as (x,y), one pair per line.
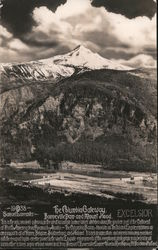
(151,51)
(40,40)
(99,38)
(46,52)
(111,53)
(128,8)
(16,15)
(38,43)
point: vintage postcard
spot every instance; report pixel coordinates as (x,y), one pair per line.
(78,125)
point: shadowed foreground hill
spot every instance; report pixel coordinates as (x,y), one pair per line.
(98,116)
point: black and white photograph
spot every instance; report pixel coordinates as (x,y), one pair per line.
(78,125)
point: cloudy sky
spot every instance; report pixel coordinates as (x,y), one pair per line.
(122,30)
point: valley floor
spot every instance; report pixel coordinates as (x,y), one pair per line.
(74,178)
(136,187)
(87,179)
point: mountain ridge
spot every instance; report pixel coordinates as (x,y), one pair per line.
(109,113)
(57,67)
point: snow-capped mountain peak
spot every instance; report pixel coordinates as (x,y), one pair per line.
(83,57)
(80,51)
(57,67)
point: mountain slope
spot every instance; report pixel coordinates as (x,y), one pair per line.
(102,116)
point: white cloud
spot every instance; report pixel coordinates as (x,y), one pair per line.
(11,49)
(137,32)
(48,21)
(69,23)
(18,45)
(72,8)
(4,36)
(94,24)
(4,33)
(7,54)
(141,60)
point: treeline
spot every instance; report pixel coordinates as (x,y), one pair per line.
(90,152)
(128,196)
